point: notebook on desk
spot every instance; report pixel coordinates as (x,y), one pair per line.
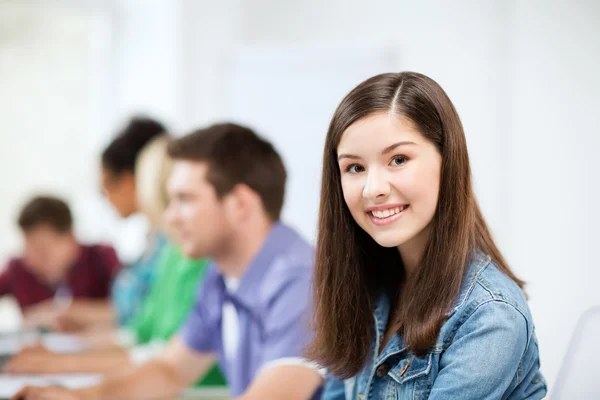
(61,343)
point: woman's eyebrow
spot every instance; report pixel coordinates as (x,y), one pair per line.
(395,145)
(384,152)
(351,156)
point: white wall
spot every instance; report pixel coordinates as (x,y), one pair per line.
(147,45)
(554,185)
(45,96)
(211,29)
(71,72)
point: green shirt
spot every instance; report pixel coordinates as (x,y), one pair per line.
(169,301)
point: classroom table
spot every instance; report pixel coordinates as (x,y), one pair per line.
(11,384)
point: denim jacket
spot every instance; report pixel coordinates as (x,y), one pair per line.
(486,349)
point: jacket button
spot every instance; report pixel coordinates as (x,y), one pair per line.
(382,370)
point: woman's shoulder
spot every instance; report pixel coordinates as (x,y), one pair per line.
(486,282)
(488,293)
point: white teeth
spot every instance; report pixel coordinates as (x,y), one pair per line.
(388,212)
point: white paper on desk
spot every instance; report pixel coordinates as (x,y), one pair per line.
(57,342)
(10,344)
(62,343)
(11,384)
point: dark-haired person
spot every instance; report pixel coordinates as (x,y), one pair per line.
(252,313)
(119,178)
(121,185)
(54,266)
(413,299)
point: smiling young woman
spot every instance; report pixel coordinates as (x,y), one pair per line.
(413,298)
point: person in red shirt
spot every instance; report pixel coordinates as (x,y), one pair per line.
(54,267)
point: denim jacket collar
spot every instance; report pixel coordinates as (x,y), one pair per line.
(382,308)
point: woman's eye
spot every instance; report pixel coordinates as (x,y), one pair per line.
(354,168)
(398,160)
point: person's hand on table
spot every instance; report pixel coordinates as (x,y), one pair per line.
(68,322)
(37,347)
(74,318)
(31,360)
(99,338)
(42,315)
(51,393)
(82,315)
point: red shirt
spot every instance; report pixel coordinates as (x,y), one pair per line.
(90,277)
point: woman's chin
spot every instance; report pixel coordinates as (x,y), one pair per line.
(388,240)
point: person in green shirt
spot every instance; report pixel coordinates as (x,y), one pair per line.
(167,306)
(171,299)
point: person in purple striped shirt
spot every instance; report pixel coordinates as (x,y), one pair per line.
(253,309)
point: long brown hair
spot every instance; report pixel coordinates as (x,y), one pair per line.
(351,269)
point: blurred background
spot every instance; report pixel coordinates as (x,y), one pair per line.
(522,74)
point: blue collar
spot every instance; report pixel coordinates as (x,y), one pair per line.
(278,239)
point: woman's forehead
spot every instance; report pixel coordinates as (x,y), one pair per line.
(376,132)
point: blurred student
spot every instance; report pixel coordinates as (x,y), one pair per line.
(123,185)
(162,311)
(122,182)
(227,188)
(54,267)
